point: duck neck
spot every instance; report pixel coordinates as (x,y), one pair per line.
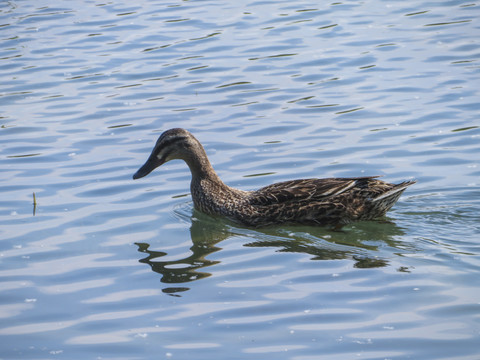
(200,167)
(209,193)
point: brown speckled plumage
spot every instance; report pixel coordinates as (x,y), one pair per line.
(333,201)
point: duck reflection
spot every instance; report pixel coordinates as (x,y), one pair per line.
(184,270)
(360,244)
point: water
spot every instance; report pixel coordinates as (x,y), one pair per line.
(111,268)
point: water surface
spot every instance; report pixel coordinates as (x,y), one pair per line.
(107,267)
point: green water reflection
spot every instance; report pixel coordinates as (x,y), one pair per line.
(359,244)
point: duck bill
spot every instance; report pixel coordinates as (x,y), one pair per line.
(147,168)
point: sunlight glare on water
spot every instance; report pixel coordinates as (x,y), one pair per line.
(96,265)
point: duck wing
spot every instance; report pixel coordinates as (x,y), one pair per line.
(304,189)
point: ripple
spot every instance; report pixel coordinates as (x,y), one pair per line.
(275,91)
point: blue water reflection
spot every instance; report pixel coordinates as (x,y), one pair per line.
(275,90)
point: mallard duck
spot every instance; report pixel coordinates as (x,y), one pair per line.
(326,202)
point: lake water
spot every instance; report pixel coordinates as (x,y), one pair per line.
(104,267)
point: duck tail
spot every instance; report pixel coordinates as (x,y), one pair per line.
(395,191)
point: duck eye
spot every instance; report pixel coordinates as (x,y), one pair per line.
(163,155)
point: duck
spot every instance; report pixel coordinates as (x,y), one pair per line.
(329,202)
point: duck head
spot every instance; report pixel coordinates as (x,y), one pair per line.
(172,144)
